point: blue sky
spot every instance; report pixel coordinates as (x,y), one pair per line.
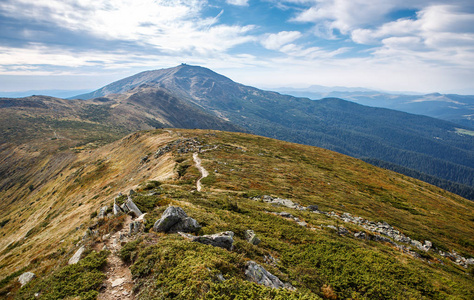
(396,45)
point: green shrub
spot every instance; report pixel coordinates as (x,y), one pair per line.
(129,251)
(81,280)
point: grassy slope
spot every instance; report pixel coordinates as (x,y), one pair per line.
(317,262)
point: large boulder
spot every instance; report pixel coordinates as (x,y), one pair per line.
(26,277)
(77,256)
(223,240)
(256,273)
(175,219)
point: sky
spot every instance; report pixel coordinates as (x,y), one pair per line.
(392,45)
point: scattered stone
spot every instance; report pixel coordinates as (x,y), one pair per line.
(256,273)
(302,223)
(361,235)
(279,201)
(285,214)
(342,230)
(220,277)
(144,159)
(77,256)
(174,219)
(251,237)
(26,277)
(269,259)
(102,212)
(223,240)
(312,208)
(138,225)
(118,282)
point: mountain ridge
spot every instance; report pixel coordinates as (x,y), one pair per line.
(351,129)
(316,251)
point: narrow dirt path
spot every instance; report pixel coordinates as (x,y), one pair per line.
(119,281)
(204,172)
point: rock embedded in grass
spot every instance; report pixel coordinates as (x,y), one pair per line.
(175,219)
(25,278)
(223,239)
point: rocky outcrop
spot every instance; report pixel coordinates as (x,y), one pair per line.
(223,240)
(127,207)
(256,273)
(174,219)
(132,207)
(77,256)
(26,277)
(251,237)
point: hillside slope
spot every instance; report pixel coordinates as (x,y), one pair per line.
(34,128)
(435,147)
(318,251)
(450,107)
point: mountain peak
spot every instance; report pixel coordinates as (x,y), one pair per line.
(179,75)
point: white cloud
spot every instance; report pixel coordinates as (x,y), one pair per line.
(170,26)
(238,2)
(275,41)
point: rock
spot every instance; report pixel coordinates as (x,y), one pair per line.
(417,244)
(77,256)
(222,240)
(117,210)
(251,237)
(132,207)
(285,214)
(342,230)
(131,193)
(302,223)
(26,277)
(379,238)
(188,224)
(220,277)
(312,208)
(428,245)
(256,273)
(360,235)
(102,212)
(174,219)
(124,208)
(136,227)
(118,282)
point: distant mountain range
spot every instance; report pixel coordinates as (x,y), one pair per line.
(51,93)
(450,107)
(428,145)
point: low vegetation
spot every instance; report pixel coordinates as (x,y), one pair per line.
(317,260)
